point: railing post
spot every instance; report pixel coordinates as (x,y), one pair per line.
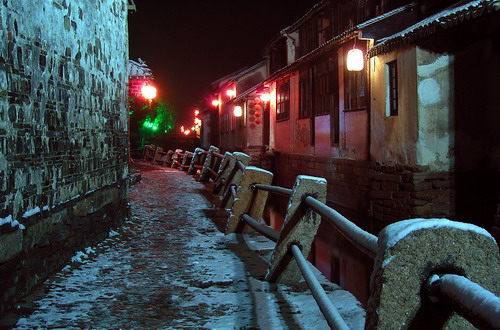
(223,173)
(175,157)
(195,160)
(209,162)
(187,154)
(249,201)
(238,174)
(411,251)
(299,228)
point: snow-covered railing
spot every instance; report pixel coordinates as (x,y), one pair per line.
(458,263)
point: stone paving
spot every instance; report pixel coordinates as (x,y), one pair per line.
(171,266)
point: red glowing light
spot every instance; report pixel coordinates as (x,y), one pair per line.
(196,112)
(186,132)
(215,103)
(148,92)
(231,92)
(266,97)
(238,111)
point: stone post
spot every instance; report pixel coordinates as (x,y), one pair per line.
(209,162)
(224,171)
(195,160)
(234,177)
(409,252)
(249,201)
(175,158)
(187,154)
(299,228)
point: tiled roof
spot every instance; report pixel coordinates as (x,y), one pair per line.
(448,18)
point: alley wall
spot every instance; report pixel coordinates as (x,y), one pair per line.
(63,133)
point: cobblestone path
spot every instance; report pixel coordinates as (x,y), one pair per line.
(171,266)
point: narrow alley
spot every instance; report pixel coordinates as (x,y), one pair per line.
(172,266)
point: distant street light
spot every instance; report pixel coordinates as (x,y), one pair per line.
(148,92)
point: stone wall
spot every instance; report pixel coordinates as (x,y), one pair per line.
(365,189)
(63,133)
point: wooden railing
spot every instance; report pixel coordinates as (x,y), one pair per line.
(426,271)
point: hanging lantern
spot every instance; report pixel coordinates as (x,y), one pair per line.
(215,103)
(238,112)
(355,60)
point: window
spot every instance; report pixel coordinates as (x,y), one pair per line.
(326,86)
(306,92)
(319,93)
(283,100)
(392,89)
(278,55)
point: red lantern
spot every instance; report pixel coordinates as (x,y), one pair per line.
(257,121)
(257,113)
(258,107)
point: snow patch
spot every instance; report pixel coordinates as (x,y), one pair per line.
(388,261)
(258,169)
(31,212)
(113,233)
(13,223)
(80,256)
(313,178)
(397,231)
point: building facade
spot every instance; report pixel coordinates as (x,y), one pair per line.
(413,133)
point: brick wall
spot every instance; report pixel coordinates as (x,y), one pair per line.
(367,190)
(63,133)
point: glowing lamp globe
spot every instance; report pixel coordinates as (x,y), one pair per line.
(238,112)
(148,92)
(231,92)
(215,103)
(355,60)
(265,97)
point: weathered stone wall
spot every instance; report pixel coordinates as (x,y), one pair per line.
(383,193)
(63,133)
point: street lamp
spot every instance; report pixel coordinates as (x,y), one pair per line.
(148,92)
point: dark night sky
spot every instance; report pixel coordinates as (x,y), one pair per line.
(190,43)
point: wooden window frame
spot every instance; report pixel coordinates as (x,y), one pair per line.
(392,88)
(283,100)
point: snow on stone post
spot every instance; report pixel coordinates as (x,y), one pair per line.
(187,154)
(409,252)
(234,176)
(209,162)
(223,173)
(195,160)
(299,228)
(249,201)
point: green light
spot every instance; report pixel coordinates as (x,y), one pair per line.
(155,128)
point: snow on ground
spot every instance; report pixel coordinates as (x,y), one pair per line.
(171,266)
